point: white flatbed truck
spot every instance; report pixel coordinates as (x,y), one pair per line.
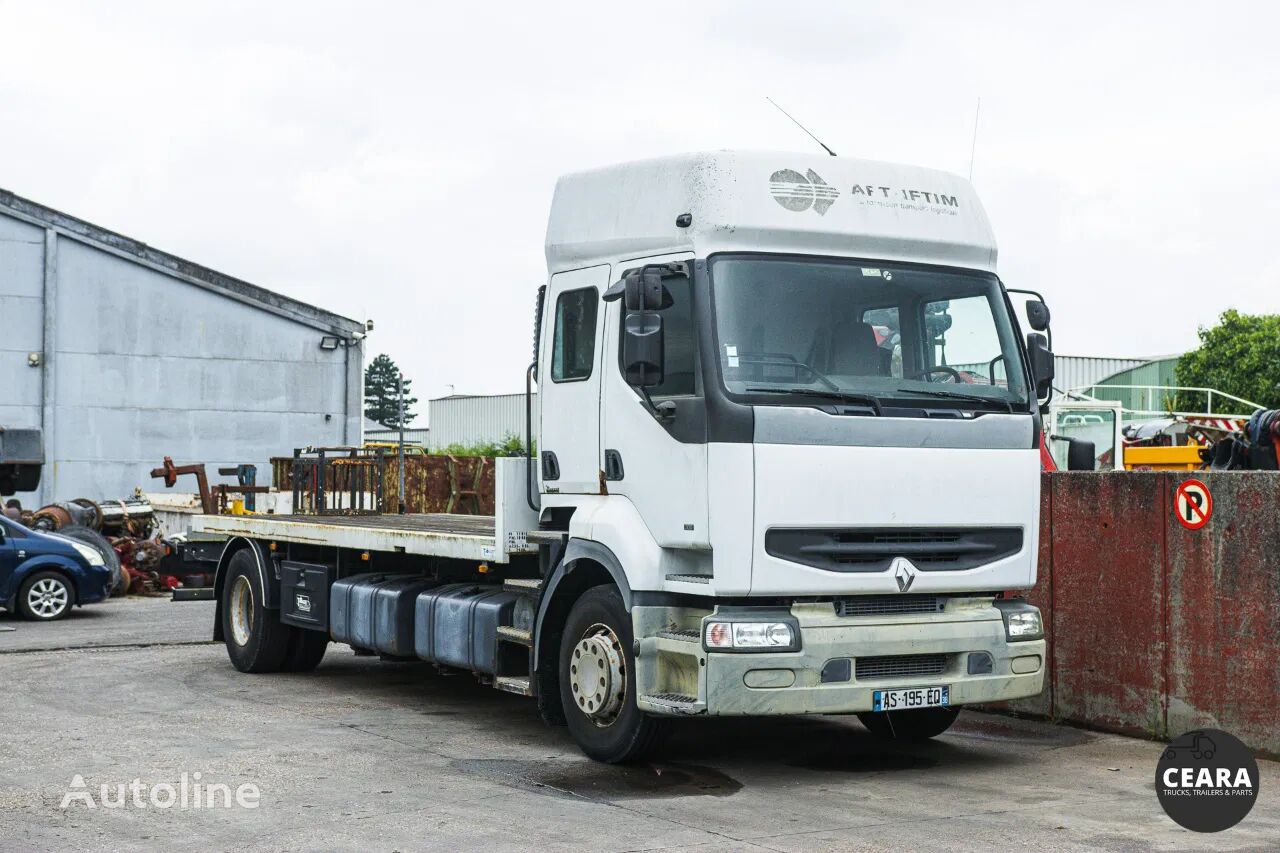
(788,464)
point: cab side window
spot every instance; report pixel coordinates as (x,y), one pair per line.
(573,347)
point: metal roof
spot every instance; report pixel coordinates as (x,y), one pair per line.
(135,250)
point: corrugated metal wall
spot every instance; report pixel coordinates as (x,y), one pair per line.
(468,420)
(136,357)
(1077,371)
(411,436)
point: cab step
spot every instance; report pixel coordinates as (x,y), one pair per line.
(689,578)
(518,685)
(673,703)
(680,636)
(525,585)
(512,634)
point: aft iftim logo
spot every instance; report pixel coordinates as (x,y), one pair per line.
(798,192)
(1207,780)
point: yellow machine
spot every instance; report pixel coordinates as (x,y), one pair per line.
(1184,458)
(392,447)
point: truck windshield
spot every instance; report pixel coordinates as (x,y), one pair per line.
(785,326)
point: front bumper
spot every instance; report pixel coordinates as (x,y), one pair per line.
(766,683)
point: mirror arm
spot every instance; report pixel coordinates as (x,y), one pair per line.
(664,411)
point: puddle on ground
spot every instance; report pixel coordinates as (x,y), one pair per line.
(607,782)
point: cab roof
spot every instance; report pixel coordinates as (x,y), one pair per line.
(767,202)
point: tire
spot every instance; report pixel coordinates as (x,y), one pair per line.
(909,726)
(99,543)
(46,596)
(306,650)
(257,641)
(606,725)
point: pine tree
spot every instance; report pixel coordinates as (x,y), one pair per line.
(382,393)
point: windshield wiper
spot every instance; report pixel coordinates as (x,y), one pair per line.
(842,396)
(957,395)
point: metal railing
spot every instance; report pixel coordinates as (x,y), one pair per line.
(1168,393)
(338,481)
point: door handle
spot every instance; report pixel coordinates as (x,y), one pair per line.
(613,469)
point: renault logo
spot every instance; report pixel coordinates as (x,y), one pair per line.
(904,573)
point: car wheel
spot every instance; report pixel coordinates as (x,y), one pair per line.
(46,596)
(598,682)
(257,641)
(914,725)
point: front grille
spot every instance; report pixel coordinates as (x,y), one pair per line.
(889,605)
(873,549)
(899,666)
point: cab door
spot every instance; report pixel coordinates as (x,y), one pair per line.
(569,382)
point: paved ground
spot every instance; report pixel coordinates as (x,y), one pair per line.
(375,756)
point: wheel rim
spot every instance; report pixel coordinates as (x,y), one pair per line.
(598,675)
(241,610)
(48,597)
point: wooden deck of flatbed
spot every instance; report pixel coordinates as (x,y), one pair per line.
(468,537)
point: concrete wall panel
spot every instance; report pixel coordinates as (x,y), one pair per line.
(1224,611)
(1107,593)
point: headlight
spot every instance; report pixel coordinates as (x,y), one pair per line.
(774,636)
(90,554)
(1021,621)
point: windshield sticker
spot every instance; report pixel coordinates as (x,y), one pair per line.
(871,272)
(731,353)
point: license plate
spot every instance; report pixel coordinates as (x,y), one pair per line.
(910,697)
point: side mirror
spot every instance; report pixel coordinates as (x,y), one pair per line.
(642,350)
(1037,315)
(642,289)
(1041,363)
(1080,455)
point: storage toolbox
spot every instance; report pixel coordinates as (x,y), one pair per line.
(304,595)
(457,625)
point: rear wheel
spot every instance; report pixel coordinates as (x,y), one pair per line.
(257,641)
(598,682)
(914,725)
(45,596)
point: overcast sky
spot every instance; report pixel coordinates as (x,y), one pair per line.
(395,161)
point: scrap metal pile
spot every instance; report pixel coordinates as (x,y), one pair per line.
(1253,448)
(124,532)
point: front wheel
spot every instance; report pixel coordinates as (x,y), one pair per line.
(914,725)
(598,682)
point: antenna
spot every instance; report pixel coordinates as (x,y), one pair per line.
(974,147)
(801,126)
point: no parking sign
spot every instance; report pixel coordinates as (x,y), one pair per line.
(1192,504)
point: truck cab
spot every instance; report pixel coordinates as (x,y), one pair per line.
(786,405)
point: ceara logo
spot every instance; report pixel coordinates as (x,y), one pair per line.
(798,192)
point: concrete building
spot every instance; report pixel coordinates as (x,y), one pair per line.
(123,355)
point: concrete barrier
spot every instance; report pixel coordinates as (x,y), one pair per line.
(1155,629)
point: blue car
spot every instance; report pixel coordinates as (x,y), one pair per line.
(44,575)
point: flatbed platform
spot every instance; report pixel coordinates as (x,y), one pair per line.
(468,537)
